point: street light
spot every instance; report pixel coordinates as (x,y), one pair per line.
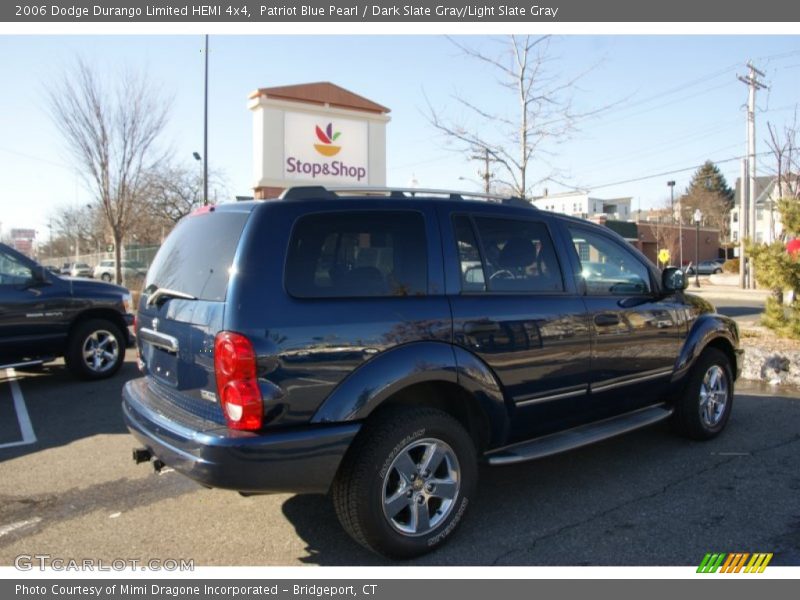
(698,216)
(469,179)
(671,185)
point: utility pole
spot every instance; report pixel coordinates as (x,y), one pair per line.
(753,84)
(743,193)
(486,175)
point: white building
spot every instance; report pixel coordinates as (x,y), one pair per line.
(768,219)
(582,204)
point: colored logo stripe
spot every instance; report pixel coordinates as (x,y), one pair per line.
(734,562)
(758,563)
(710,563)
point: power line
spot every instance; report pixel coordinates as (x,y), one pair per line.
(38,158)
(665,173)
(670,144)
(691,83)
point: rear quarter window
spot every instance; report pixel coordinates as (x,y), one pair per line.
(357,254)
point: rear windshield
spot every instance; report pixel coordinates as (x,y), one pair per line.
(196,257)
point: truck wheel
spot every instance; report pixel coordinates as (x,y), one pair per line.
(406,481)
(95,349)
(106,277)
(705,406)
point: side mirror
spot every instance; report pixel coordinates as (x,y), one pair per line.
(673,279)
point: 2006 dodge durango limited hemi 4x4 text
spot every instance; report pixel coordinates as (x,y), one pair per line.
(377,344)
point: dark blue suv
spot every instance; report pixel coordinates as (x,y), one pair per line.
(379,344)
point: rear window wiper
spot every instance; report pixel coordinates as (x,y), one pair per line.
(161,294)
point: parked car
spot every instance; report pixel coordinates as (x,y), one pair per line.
(44,316)
(80,270)
(130,268)
(706,267)
(380,347)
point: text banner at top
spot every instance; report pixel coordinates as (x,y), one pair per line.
(421,11)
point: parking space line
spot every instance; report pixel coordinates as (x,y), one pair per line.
(6,529)
(23,418)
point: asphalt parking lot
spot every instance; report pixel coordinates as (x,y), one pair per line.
(647,498)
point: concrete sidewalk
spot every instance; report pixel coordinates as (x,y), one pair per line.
(726,292)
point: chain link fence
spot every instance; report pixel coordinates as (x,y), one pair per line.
(136,260)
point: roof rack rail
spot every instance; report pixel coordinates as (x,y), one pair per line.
(321,192)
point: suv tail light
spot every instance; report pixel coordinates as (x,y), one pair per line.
(237,383)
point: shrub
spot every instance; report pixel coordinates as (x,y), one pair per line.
(731,266)
(774,316)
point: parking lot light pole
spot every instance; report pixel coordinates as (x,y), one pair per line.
(698,216)
(205,129)
(671,185)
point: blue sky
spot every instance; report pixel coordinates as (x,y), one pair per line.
(676,102)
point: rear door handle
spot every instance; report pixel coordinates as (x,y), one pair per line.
(606,320)
(159,340)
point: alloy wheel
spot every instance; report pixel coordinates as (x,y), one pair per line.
(100,351)
(714,394)
(421,486)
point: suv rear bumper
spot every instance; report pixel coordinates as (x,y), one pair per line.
(297,460)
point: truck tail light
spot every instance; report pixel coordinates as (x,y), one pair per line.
(237,383)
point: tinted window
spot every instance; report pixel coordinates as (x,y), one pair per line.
(608,268)
(358,254)
(196,257)
(472,277)
(12,271)
(517,256)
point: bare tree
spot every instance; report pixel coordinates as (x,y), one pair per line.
(113,137)
(714,206)
(543,113)
(783,146)
(173,192)
(667,238)
(81,226)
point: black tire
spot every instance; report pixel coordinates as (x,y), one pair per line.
(694,418)
(87,337)
(717,271)
(370,472)
(105,277)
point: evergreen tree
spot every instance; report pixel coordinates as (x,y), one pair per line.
(709,179)
(779,271)
(709,192)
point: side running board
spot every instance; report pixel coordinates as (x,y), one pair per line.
(578,436)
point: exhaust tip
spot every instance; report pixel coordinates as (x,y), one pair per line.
(142,455)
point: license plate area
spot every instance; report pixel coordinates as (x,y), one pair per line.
(161,364)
